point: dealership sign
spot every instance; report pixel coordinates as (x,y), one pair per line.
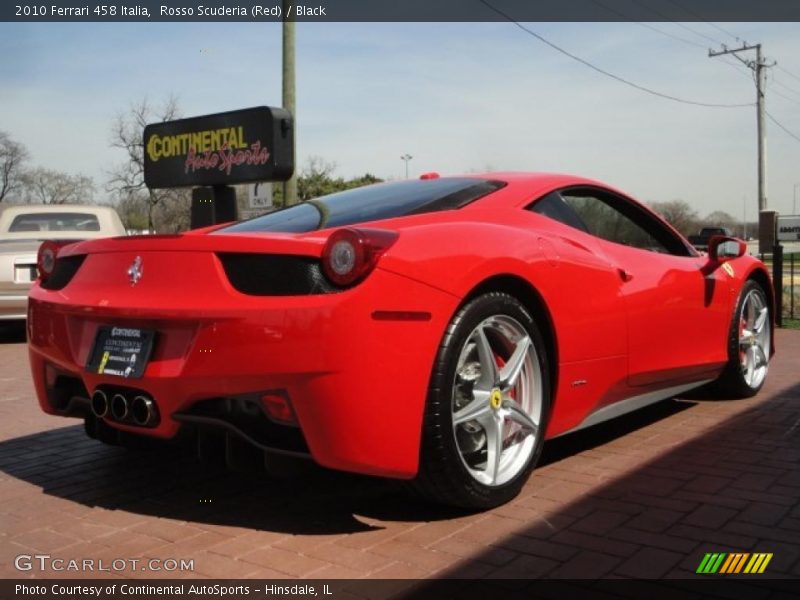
(254,144)
(789,229)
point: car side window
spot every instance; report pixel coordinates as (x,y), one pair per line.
(608,223)
(609,217)
(553,206)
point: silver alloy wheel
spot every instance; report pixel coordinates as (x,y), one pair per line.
(754,338)
(497,400)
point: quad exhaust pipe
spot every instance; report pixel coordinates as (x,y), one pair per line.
(119,407)
(143,410)
(140,409)
(99,404)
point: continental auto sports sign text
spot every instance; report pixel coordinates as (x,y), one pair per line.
(254,144)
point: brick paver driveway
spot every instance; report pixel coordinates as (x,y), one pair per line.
(646,496)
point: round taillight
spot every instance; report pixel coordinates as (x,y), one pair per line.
(46,261)
(350,254)
(343,257)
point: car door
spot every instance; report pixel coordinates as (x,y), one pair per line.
(678,310)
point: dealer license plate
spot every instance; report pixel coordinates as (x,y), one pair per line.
(121,351)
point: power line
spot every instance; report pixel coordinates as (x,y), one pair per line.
(784,86)
(737,68)
(790,99)
(795,99)
(669,35)
(789,73)
(789,133)
(714,25)
(682,25)
(647,25)
(603,71)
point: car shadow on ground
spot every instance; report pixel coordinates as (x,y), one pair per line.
(168,481)
(599,435)
(732,489)
(12,332)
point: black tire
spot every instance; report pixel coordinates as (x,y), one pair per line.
(733,382)
(444,476)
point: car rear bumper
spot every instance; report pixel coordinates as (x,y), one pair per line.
(354,365)
(13,306)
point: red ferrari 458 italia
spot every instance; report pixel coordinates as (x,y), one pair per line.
(435,330)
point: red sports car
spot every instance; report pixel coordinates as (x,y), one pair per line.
(436,330)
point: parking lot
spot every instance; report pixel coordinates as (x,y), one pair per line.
(646,496)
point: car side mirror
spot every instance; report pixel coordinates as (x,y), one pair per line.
(722,248)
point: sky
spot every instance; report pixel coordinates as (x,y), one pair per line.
(458,97)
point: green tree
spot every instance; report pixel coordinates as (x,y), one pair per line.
(317,179)
(366,179)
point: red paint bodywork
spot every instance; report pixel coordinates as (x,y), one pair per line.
(624,321)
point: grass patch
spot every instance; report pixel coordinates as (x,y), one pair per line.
(791,323)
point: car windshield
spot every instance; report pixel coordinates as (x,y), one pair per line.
(62,221)
(371,203)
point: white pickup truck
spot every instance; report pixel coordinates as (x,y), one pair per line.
(23,227)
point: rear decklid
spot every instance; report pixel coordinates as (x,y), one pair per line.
(17,264)
(258,243)
(153,275)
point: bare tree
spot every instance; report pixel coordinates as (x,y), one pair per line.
(127,134)
(720,218)
(12,157)
(679,214)
(132,209)
(173,216)
(45,186)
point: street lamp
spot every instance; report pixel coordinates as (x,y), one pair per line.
(406,158)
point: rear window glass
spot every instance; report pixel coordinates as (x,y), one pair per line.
(371,203)
(54,222)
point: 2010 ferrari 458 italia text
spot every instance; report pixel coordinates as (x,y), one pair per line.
(436,330)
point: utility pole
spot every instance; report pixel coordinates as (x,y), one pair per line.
(759,69)
(290,186)
(744,218)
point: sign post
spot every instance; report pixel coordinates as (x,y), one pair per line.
(789,228)
(259,195)
(215,151)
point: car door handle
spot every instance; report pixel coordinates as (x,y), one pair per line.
(624,275)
